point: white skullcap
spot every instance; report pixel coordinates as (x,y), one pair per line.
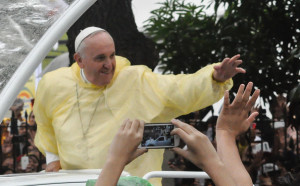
(84,33)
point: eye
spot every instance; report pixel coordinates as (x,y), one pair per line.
(100,58)
(112,55)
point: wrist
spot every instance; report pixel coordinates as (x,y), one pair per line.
(110,172)
(116,161)
(226,133)
(219,173)
(224,137)
(215,77)
(212,164)
(114,164)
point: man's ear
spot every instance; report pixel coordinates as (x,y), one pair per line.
(78,59)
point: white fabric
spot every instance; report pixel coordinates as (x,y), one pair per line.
(83,77)
(50,157)
(84,33)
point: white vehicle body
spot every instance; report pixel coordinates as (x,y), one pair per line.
(80,177)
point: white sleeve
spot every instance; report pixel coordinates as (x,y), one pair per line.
(50,157)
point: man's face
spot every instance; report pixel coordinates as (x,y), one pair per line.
(22,129)
(98,60)
(31,119)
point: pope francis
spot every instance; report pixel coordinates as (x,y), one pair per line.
(79,109)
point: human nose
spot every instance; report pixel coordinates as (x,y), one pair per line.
(108,63)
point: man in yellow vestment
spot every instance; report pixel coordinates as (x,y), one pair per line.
(78,109)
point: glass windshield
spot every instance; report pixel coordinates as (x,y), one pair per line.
(23,23)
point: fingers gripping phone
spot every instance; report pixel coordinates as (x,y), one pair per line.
(158,135)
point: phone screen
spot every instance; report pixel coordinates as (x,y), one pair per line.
(24,162)
(158,136)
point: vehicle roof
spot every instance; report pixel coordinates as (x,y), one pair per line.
(63,177)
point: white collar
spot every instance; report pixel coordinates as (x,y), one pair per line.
(83,76)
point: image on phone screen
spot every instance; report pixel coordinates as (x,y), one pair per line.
(159,136)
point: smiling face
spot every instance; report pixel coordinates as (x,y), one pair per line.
(97,58)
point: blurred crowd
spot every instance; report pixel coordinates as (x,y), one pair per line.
(269,150)
(18,152)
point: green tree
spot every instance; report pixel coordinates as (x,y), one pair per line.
(185,36)
(265,33)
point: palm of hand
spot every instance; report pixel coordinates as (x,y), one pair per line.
(225,71)
(233,120)
(228,68)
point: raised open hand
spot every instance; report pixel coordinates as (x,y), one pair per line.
(234,117)
(228,68)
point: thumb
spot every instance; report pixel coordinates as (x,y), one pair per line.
(252,117)
(217,67)
(137,153)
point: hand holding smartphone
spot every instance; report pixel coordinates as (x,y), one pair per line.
(158,136)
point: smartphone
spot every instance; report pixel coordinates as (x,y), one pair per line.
(279,124)
(269,167)
(158,136)
(24,162)
(257,147)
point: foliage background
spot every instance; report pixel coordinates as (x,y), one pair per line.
(265,33)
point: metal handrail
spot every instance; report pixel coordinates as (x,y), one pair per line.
(176,174)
